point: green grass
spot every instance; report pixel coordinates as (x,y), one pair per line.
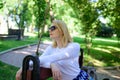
(104,52)
(8,44)
(7,72)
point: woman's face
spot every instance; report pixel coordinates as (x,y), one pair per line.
(54,32)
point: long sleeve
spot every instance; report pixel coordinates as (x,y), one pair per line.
(71,51)
(47,51)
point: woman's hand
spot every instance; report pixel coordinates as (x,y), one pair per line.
(56,72)
(18,74)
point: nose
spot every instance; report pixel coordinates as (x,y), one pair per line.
(49,30)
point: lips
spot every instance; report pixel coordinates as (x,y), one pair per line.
(50,34)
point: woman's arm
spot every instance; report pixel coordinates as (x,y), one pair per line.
(55,72)
(70,51)
(18,74)
(47,51)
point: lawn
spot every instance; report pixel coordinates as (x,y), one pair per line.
(7,72)
(8,44)
(104,52)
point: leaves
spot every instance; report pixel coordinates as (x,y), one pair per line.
(1,4)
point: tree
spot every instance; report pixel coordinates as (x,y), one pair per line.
(111,9)
(41,11)
(117,19)
(87,14)
(105,31)
(21,15)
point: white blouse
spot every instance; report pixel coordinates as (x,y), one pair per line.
(65,58)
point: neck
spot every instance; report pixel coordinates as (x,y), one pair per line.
(59,43)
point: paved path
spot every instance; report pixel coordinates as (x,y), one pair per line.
(15,58)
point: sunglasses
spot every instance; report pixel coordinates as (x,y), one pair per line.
(52,28)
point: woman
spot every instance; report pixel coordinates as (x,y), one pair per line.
(62,56)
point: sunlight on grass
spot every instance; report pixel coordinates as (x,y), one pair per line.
(117,64)
(105,40)
(104,51)
(98,63)
(115,48)
(101,49)
(30,34)
(94,61)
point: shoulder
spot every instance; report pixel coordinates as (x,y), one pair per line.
(74,45)
(49,47)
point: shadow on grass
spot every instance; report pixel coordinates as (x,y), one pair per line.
(104,52)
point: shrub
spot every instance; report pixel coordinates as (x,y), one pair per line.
(46,34)
(105,31)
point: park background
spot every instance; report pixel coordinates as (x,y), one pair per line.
(94,24)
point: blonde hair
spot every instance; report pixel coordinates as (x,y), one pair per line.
(66,38)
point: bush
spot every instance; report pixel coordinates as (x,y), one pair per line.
(105,31)
(46,34)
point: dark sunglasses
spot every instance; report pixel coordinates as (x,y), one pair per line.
(52,28)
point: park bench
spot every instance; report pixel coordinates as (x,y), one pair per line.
(7,37)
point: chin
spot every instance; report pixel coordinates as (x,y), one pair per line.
(51,37)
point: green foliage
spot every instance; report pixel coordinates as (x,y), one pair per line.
(46,34)
(63,11)
(83,11)
(1,4)
(20,13)
(105,31)
(39,13)
(117,19)
(87,14)
(111,9)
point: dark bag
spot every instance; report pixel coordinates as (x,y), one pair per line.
(34,72)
